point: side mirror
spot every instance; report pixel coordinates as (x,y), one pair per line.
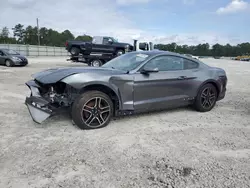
(149,70)
(110,41)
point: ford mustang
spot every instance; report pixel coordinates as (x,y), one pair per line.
(135,82)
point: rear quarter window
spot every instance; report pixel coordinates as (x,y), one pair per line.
(188,64)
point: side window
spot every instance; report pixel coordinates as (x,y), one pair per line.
(1,53)
(105,40)
(188,64)
(143,46)
(166,63)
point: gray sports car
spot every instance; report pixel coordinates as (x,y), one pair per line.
(135,82)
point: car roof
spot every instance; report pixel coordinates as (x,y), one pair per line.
(162,52)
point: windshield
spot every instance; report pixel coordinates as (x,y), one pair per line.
(114,40)
(11,52)
(126,62)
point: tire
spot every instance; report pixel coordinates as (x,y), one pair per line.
(92,118)
(120,52)
(96,63)
(74,51)
(205,102)
(9,63)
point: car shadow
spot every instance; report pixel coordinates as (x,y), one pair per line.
(156,112)
(64,118)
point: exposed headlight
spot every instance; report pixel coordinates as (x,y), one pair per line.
(16,59)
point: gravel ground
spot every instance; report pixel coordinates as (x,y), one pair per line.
(173,149)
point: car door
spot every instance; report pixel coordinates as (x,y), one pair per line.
(108,44)
(104,47)
(2,58)
(163,89)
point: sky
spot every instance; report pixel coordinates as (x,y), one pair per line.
(162,21)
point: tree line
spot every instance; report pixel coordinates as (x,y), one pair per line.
(47,36)
(29,35)
(207,50)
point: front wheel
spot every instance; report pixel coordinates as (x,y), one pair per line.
(119,52)
(92,110)
(9,63)
(206,98)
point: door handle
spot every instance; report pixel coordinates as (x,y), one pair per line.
(182,77)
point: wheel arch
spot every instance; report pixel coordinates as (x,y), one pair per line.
(213,82)
(120,49)
(74,46)
(112,93)
(7,59)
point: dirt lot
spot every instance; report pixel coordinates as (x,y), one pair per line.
(178,148)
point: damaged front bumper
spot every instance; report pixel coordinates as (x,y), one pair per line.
(38,107)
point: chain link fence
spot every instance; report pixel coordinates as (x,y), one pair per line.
(35,50)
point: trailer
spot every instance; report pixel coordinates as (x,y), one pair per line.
(98,59)
(93,59)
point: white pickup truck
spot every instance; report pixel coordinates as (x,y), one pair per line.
(190,55)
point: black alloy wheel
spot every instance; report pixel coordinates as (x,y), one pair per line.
(92,110)
(95,112)
(206,98)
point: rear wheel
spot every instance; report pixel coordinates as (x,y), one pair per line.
(8,63)
(74,51)
(206,98)
(96,63)
(92,110)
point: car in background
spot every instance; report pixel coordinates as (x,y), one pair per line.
(192,56)
(99,44)
(245,59)
(134,82)
(11,58)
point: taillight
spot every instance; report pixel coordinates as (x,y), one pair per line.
(66,43)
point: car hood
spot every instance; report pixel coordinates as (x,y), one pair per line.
(122,44)
(54,75)
(18,55)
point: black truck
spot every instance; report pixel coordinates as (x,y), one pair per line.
(96,55)
(99,44)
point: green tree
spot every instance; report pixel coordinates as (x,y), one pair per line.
(30,35)
(5,32)
(67,35)
(51,37)
(4,36)
(19,32)
(85,38)
(44,36)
